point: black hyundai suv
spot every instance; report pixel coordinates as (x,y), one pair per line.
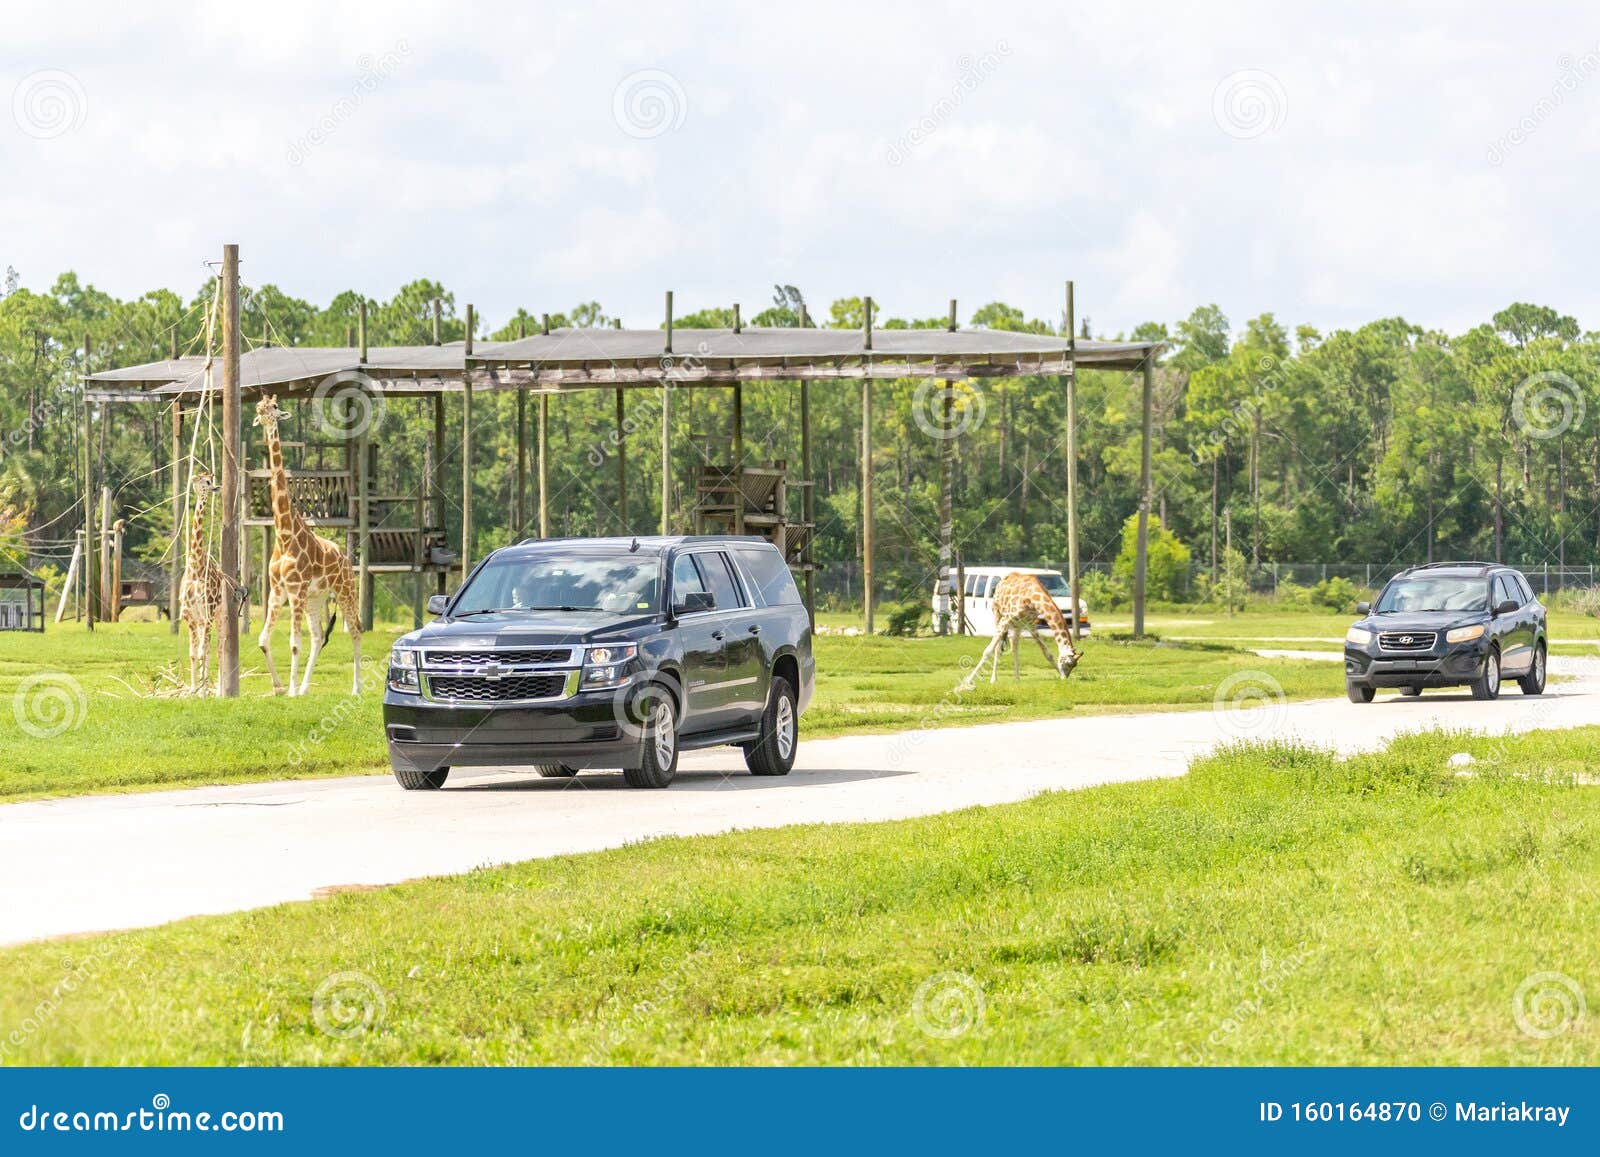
(1448,624)
(563,654)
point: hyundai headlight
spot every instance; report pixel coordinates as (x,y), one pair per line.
(1358,636)
(1464,634)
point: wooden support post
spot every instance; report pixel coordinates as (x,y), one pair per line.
(866,323)
(104,551)
(738,457)
(543,434)
(1141,556)
(435,477)
(622,463)
(90,554)
(232,440)
(666,437)
(466,452)
(419,556)
(808,509)
(519,492)
(738,322)
(438,317)
(361,329)
(116,569)
(72,574)
(1072,465)
(175,556)
(947,452)
(363,481)
(866,500)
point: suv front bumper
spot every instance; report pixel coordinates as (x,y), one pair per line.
(1446,665)
(586,730)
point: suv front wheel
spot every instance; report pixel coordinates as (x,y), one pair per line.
(1357,693)
(1487,685)
(659,762)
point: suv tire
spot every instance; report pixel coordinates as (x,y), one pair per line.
(774,752)
(1412,691)
(555,770)
(415,779)
(1356,693)
(1487,685)
(659,762)
(1533,682)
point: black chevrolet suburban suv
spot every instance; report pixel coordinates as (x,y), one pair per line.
(564,654)
(1448,624)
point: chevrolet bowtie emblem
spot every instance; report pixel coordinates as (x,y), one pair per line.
(492,672)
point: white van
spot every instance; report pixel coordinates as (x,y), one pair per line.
(981,582)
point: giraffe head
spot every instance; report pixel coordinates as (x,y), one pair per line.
(268,412)
(202,483)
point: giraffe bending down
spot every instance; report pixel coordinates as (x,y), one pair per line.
(306,572)
(201,592)
(1020,601)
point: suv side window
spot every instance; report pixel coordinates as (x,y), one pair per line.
(1504,592)
(771,576)
(685,578)
(719,581)
(1527,591)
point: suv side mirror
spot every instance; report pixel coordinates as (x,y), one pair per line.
(1505,607)
(694,602)
(1363,608)
(437,604)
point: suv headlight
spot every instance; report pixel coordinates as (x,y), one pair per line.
(1464,634)
(1358,636)
(607,666)
(404,664)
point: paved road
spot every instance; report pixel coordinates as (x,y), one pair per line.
(119,861)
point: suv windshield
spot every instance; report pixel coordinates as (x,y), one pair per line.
(1435,593)
(617,583)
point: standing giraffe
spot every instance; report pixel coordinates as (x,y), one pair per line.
(201,592)
(1020,601)
(304,567)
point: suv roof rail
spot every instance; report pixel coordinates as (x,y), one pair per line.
(1455,563)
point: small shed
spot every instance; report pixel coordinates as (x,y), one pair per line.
(21,601)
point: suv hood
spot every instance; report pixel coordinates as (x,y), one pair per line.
(539,629)
(1422,620)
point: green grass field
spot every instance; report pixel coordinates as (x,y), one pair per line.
(79,720)
(1275,906)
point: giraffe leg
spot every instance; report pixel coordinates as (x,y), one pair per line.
(973,675)
(194,660)
(1016,653)
(297,611)
(350,607)
(269,617)
(205,658)
(316,613)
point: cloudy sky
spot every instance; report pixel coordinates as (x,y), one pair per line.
(1332,167)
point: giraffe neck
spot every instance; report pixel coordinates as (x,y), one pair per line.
(197,530)
(282,511)
(1058,621)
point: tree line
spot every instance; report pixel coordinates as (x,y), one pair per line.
(1388,443)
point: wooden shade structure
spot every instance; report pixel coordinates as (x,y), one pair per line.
(560,361)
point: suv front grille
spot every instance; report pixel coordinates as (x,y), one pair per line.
(509,658)
(1407,640)
(474,689)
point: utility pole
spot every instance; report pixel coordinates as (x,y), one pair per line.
(232,452)
(1141,558)
(1072,466)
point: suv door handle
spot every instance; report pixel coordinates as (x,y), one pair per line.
(717,635)
(755,628)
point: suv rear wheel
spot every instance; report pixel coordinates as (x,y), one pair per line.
(774,752)
(415,779)
(555,770)
(1412,690)
(660,760)
(1487,685)
(1533,682)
